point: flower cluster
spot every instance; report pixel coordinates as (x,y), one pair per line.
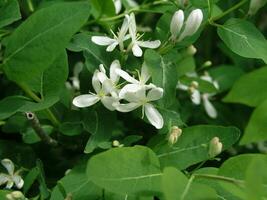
(135,94)
(196,95)
(180,29)
(128,30)
(12,177)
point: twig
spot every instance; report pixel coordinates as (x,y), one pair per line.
(39,130)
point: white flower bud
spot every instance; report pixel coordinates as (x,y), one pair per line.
(177,23)
(255,5)
(175,133)
(215,147)
(191,50)
(15,195)
(116,143)
(207,63)
(192,23)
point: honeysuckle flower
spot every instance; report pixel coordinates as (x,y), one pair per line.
(215,147)
(143,98)
(177,23)
(135,84)
(12,177)
(102,94)
(117,5)
(175,133)
(117,39)
(136,43)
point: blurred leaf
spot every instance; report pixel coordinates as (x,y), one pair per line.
(250,89)
(71,128)
(193,145)
(9,12)
(102,8)
(30,178)
(126,170)
(251,43)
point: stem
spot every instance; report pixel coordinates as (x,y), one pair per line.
(236,6)
(35,123)
(222,178)
(187,187)
(48,112)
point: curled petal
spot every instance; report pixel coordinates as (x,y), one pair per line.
(18,181)
(113,75)
(85,100)
(128,107)
(132,26)
(8,164)
(137,51)
(153,116)
(112,46)
(126,76)
(209,108)
(145,75)
(155,94)
(3,179)
(102,40)
(108,102)
(196,97)
(132,92)
(177,23)
(118,5)
(149,44)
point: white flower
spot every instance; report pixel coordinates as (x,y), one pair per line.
(12,177)
(75,82)
(177,23)
(215,147)
(140,98)
(117,40)
(136,42)
(134,85)
(102,94)
(192,24)
(117,5)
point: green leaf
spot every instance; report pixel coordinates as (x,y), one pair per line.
(250,89)
(30,178)
(126,170)
(71,128)
(257,127)
(193,145)
(243,38)
(76,184)
(164,75)
(102,8)
(39,40)
(30,137)
(9,12)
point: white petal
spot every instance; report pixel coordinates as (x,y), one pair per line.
(155,94)
(108,102)
(126,76)
(3,178)
(113,75)
(145,75)
(182,86)
(8,164)
(108,86)
(118,5)
(132,26)
(85,100)
(102,68)
(126,107)
(18,181)
(177,23)
(192,23)
(137,51)
(132,92)
(101,77)
(103,40)
(112,46)
(9,184)
(210,109)
(95,82)
(153,116)
(124,28)
(149,44)
(195,97)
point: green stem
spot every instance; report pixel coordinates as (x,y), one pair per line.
(235,7)
(190,181)
(48,112)
(221,178)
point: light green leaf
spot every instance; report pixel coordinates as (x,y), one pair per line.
(250,89)
(243,38)
(102,8)
(257,127)
(164,75)
(126,170)
(193,145)
(9,12)
(39,40)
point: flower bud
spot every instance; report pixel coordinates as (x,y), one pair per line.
(16,195)
(175,133)
(177,23)
(191,50)
(116,143)
(207,63)
(255,5)
(215,147)
(192,23)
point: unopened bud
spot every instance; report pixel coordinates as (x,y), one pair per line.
(192,23)
(175,133)
(207,63)
(191,50)
(215,147)
(255,5)
(116,143)
(177,23)
(16,195)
